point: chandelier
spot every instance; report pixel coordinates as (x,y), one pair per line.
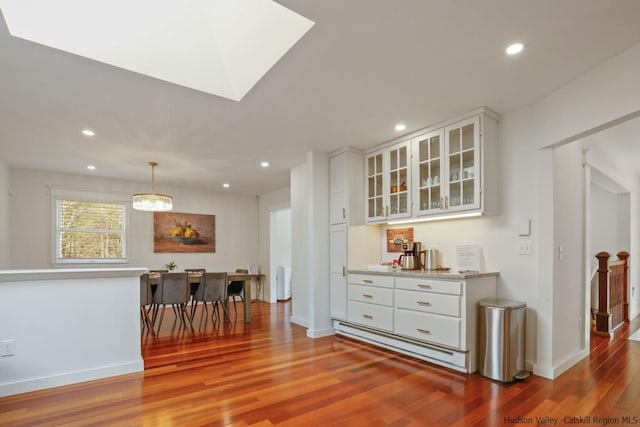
(152,201)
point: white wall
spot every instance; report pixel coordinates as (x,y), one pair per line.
(300,290)
(82,341)
(310,236)
(318,245)
(623,222)
(569,282)
(31,219)
(599,98)
(604,223)
(5,224)
(275,200)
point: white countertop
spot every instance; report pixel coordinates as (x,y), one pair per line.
(425,274)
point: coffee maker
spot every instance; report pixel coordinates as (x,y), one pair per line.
(410,259)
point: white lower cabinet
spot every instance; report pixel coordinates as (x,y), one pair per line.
(428,327)
(432,317)
(374,316)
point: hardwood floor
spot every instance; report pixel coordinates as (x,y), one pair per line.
(269,373)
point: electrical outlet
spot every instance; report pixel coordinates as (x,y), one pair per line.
(7,348)
(524,247)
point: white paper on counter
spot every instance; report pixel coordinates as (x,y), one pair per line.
(468,257)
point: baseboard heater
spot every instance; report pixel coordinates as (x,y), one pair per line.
(456,360)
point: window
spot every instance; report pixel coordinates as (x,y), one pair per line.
(89,231)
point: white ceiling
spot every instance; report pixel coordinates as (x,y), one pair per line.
(364,66)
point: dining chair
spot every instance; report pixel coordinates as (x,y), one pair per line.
(146,299)
(173,289)
(195,275)
(213,288)
(236,289)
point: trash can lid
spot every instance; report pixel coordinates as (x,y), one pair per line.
(502,303)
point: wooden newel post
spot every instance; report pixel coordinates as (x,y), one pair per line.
(624,256)
(602,316)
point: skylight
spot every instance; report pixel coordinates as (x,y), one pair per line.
(222,47)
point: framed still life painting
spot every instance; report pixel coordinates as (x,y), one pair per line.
(183,232)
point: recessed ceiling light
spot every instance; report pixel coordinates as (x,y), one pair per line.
(264,164)
(514,48)
(226,185)
(88,132)
(91,167)
(400,126)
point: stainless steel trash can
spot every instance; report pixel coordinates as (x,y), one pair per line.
(502,339)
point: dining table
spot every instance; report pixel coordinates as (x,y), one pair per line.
(196,277)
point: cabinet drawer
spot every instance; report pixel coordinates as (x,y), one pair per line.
(430,285)
(429,302)
(372,280)
(428,327)
(375,316)
(371,294)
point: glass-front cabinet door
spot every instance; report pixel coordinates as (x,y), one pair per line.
(374,205)
(462,165)
(399,200)
(427,173)
(388,176)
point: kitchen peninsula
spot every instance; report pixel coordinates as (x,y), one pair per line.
(65,326)
(431,316)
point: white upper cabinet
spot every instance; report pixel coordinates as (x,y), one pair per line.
(338,188)
(388,183)
(345,187)
(440,171)
(448,169)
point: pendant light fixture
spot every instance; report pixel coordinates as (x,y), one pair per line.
(152,201)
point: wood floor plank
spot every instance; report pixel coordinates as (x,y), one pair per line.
(269,373)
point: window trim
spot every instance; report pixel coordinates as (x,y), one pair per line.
(87,196)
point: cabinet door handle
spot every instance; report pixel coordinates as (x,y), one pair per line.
(426,303)
(442,206)
(367,316)
(367,281)
(344,271)
(424,331)
(367,296)
(387,208)
(446,202)
(425,286)
(344,213)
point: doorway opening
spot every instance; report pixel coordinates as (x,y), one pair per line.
(280,255)
(609,213)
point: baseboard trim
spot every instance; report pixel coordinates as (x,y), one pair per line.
(569,362)
(33,384)
(299,321)
(319,333)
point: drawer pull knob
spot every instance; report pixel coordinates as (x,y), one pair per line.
(367,296)
(424,331)
(367,281)
(367,316)
(427,303)
(425,286)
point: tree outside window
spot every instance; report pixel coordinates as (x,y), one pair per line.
(90,231)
